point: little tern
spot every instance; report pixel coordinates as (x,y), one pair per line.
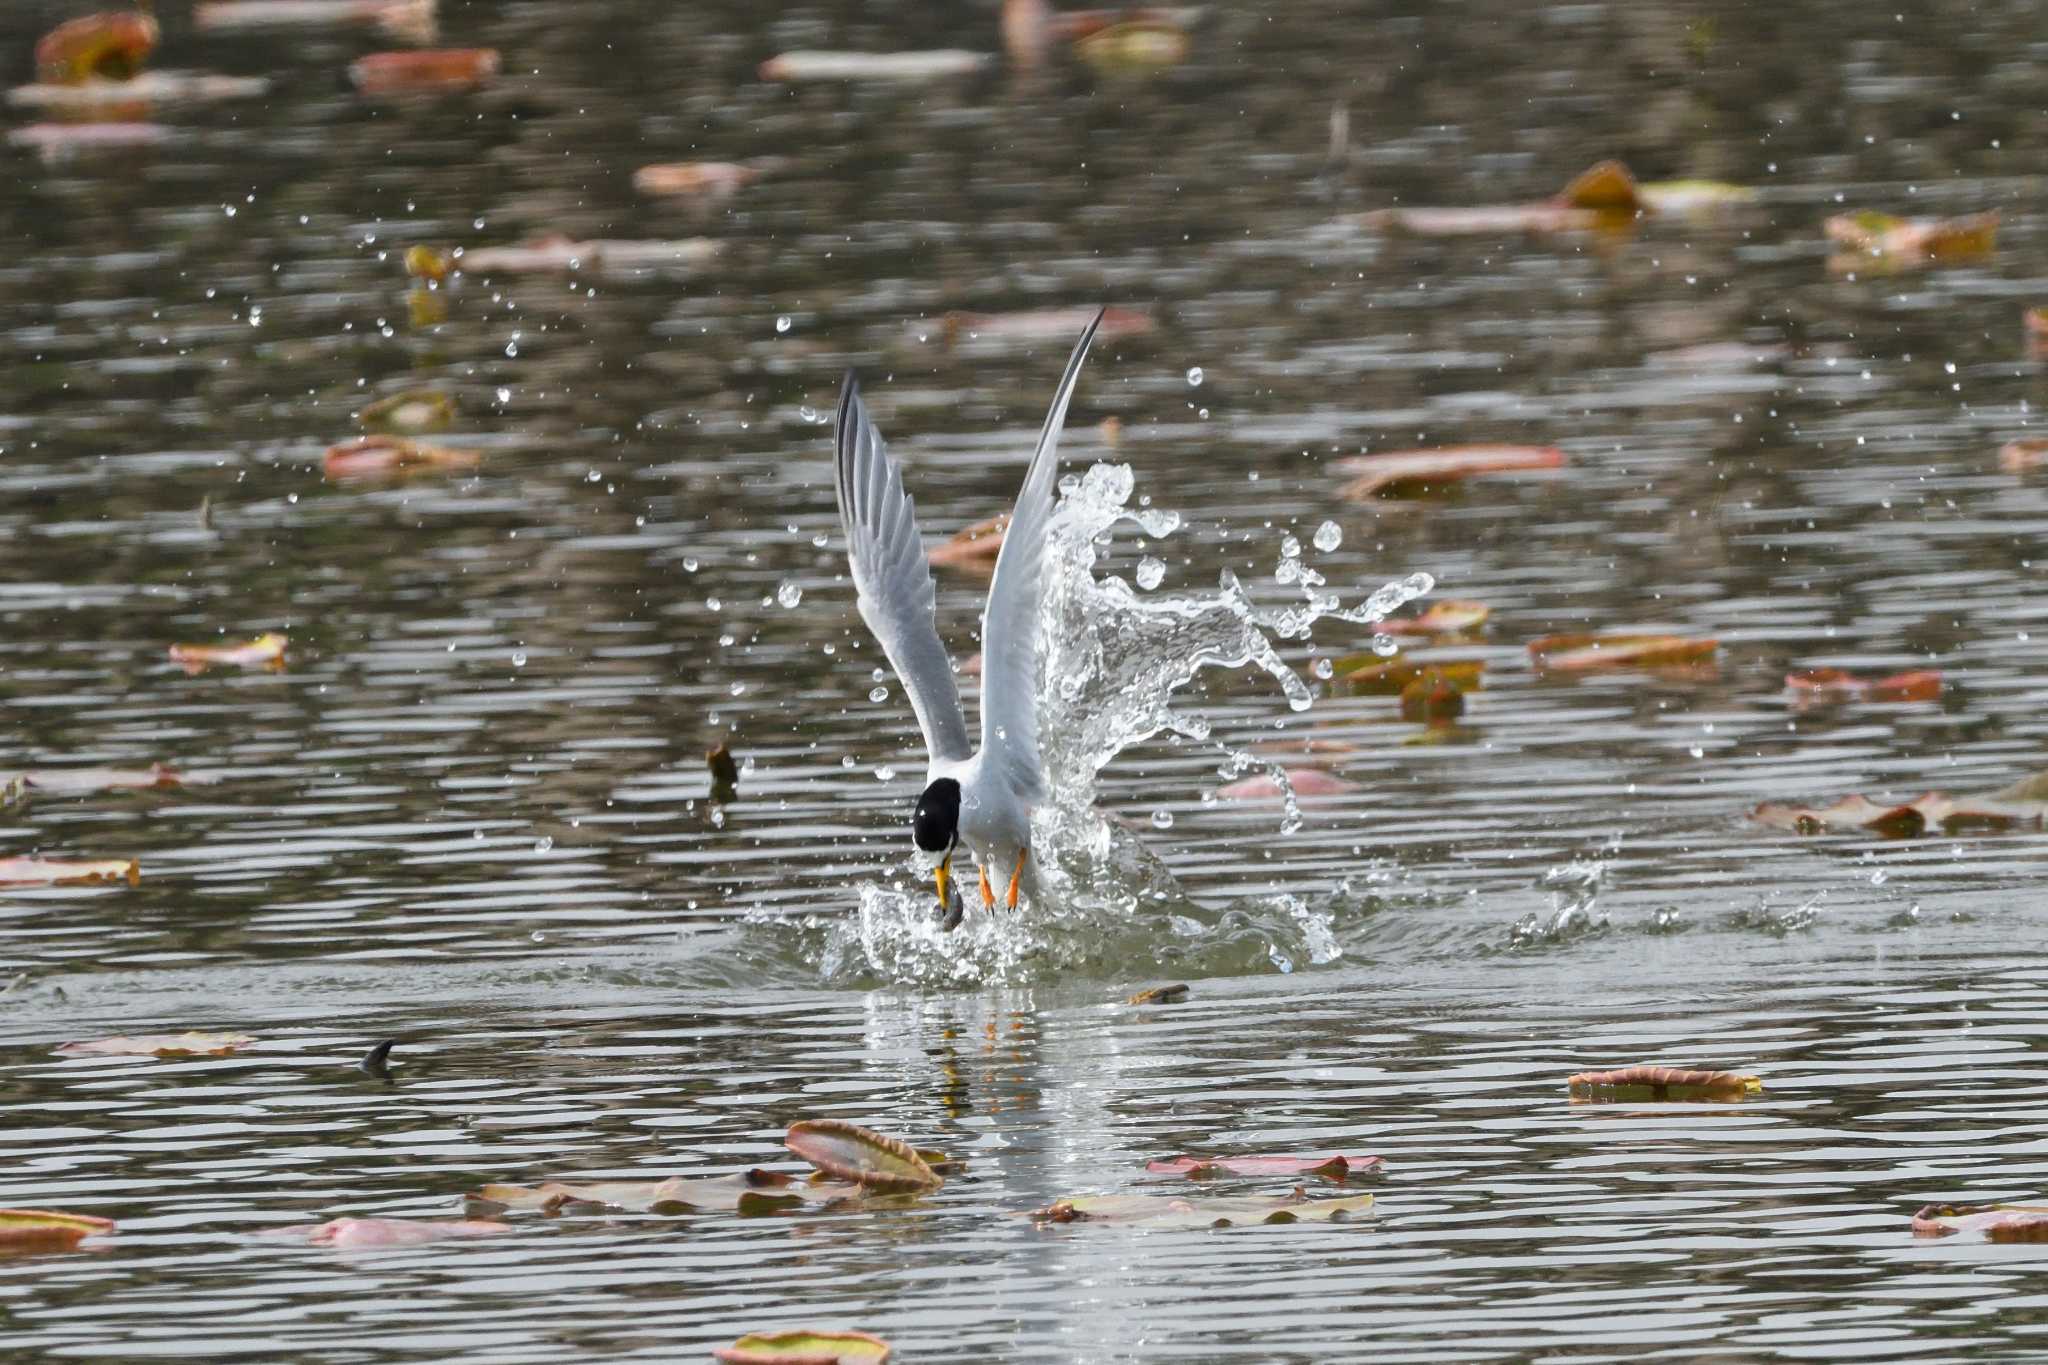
(982,798)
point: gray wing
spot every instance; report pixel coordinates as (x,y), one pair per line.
(1009,628)
(893,582)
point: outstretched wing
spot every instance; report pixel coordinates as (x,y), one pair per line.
(1009,627)
(891,577)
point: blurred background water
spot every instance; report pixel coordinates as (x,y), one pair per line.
(473,811)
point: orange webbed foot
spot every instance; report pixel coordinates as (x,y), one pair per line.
(988,893)
(1017,876)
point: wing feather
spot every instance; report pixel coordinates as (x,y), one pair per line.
(1009,627)
(891,577)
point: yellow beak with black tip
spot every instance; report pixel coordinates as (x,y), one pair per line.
(944,876)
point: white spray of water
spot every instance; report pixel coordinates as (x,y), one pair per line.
(1112,659)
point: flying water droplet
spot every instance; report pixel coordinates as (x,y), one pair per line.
(807,413)
(782,323)
(885,773)
(1322,668)
(789,594)
(878,694)
(1386,646)
(1151,573)
(519,658)
(1194,376)
(1329,536)
(1162,819)
(544,844)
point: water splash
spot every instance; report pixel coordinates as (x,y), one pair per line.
(1111,661)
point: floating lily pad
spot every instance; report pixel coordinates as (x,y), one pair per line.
(1335,1167)
(32,1230)
(110,47)
(1161,995)
(411,413)
(866,1158)
(161,1045)
(873,66)
(1585,651)
(1398,473)
(1880,243)
(364,1234)
(265,651)
(1219,1211)
(430,71)
(85,781)
(754,1191)
(1446,617)
(412,20)
(1662,1083)
(1820,686)
(1994,1222)
(973,546)
(67,872)
(382,456)
(1370,675)
(805,1348)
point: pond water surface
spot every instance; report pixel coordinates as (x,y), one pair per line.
(472,813)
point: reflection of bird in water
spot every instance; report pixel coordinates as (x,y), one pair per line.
(983,799)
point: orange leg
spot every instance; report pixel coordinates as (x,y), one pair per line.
(988,893)
(1022,854)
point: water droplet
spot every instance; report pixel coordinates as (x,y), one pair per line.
(1290,547)
(519,658)
(1879,877)
(782,323)
(713,604)
(1329,536)
(885,773)
(807,413)
(256,315)
(1151,573)
(1162,819)
(1322,668)
(1386,646)
(538,937)
(504,395)
(689,563)
(512,347)
(1194,376)
(544,844)
(878,694)
(789,594)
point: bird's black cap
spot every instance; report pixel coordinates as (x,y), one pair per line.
(937,822)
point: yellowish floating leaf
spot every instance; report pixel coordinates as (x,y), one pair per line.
(1161,995)
(1209,1211)
(1446,617)
(1661,1083)
(111,46)
(65,872)
(411,413)
(1407,472)
(1604,197)
(265,651)
(1994,1222)
(161,1045)
(1134,47)
(1369,675)
(713,180)
(867,1158)
(872,66)
(430,71)
(1434,698)
(1587,651)
(973,546)
(371,1234)
(1881,243)
(1605,185)
(805,1348)
(24,1231)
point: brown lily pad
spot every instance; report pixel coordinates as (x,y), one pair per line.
(1446,617)
(265,651)
(2021,456)
(24,1231)
(1202,1212)
(109,47)
(1336,1168)
(1403,473)
(805,1348)
(1661,1083)
(1434,698)
(1586,652)
(1884,244)
(383,456)
(428,71)
(749,1192)
(974,546)
(1161,995)
(1995,1222)
(867,1158)
(708,180)
(67,872)
(412,413)
(161,1045)
(1370,675)
(1929,812)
